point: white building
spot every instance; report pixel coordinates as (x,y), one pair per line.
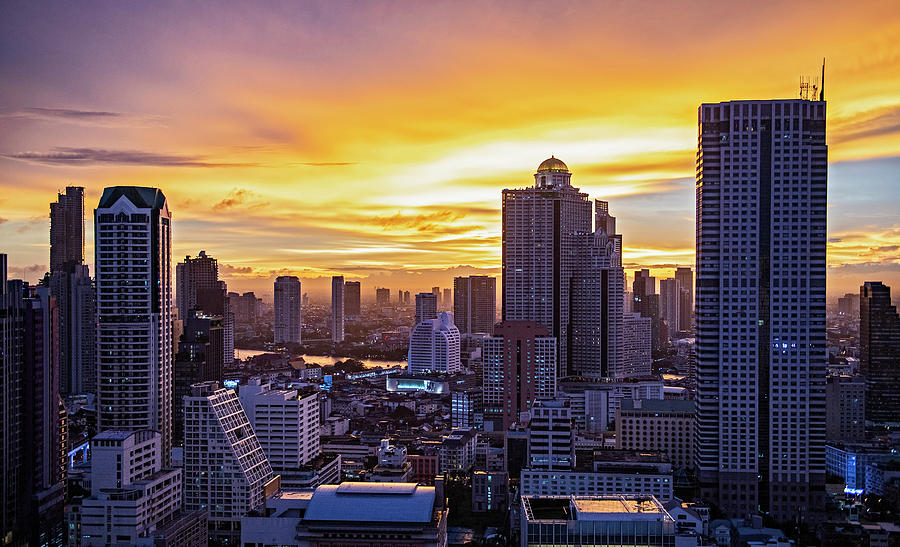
(133,255)
(337,308)
(226,472)
(760,307)
(593,403)
(434,346)
(637,359)
(131,493)
(458,450)
(288,313)
(286,423)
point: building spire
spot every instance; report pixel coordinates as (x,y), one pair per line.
(822,89)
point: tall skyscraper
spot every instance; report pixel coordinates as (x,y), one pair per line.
(288,313)
(686,277)
(670,304)
(67,229)
(434,346)
(642,285)
(475,303)
(879,352)
(518,368)
(637,355)
(382,297)
(426,307)
(760,321)
(197,282)
(199,359)
(447,301)
(549,241)
(133,254)
(337,308)
(352,299)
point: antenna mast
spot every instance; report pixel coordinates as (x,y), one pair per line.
(822,89)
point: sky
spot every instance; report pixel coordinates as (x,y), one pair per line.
(373,139)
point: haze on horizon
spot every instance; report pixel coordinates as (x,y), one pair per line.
(373,139)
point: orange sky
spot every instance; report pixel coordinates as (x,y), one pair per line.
(373,139)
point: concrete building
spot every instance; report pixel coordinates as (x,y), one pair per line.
(458,450)
(393,465)
(518,368)
(382,297)
(561,272)
(551,440)
(848,305)
(133,251)
(879,353)
(375,514)
(226,472)
(598,520)
(665,426)
(845,408)
(288,320)
(760,312)
(467,408)
(131,492)
(594,402)
(426,307)
(490,491)
(352,294)
(686,277)
(434,346)
(475,303)
(637,342)
(670,304)
(337,308)
(199,359)
(286,423)
(849,461)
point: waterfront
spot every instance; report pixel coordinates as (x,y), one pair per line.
(324,360)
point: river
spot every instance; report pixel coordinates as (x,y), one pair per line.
(323,360)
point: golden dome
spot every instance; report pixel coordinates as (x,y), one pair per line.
(551,165)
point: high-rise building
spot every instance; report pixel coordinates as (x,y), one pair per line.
(67,229)
(845,410)
(426,307)
(337,308)
(642,285)
(665,426)
(33,433)
(475,303)
(686,277)
(848,305)
(351,299)
(670,304)
(131,492)
(288,314)
(226,472)
(551,437)
(197,285)
(760,312)
(549,242)
(133,248)
(406,297)
(382,297)
(518,368)
(437,296)
(447,301)
(434,346)
(286,423)
(637,358)
(879,352)
(199,359)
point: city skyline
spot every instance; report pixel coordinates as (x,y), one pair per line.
(259,162)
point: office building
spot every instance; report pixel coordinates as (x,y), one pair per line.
(613,520)
(199,359)
(288,315)
(848,306)
(849,461)
(644,284)
(447,300)
(551,438)
(197,285)
(67,229)
(490,491)
(637,356)
(245,308)
(426,307)
(352,299)
(475,303)
(337,308)
(670,304)
(286,423)
(131,492)
(374,514)
(457,451)
(665,426)
(845,410)
(879,353)
(467,408)
(760,309)
(437,296)
(518,368)
(382,297)
(594,402)
(133,250)
(226,472)
(434,346)
(562,273)
(686,277)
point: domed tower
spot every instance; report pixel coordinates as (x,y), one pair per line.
(552,173)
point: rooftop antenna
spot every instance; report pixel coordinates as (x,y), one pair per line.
(822,89)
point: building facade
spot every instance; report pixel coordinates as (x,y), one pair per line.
(760,321)
(845,410)
(352,299)
(475,303)
(426,307)
(434,346)
(637,354)
(879,353)
(337,308)
(288,311)
(665,426)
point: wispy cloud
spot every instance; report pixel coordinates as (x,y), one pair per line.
(87,157)
(85,117)
(326,163)
(239,197)
(872,123)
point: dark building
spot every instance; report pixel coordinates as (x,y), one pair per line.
(33,443)
(475,303)
(879,353)
(382,297)
(351,299)
(848,306)
(67,229)
(845,410)
(686,303)
(199,359)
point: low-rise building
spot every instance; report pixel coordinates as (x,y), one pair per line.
(490,491)
(849,461)
(665,426)
(458,450)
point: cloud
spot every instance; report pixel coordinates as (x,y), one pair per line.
(103,118)
(239,197)
(3,220)
(422,222)
(872,123)
(230,269)
(85,157)
(326,163)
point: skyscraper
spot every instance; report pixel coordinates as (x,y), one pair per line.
(133,250)
(518,368)
(288,313)
(549,241)
(760,321)
(382,297)
(351,299)
(447,301)
(671,301)
(686,277)
(67,229)
(475,303)
(196,283)
(434,346)
(637,355)
(426,307)
(199,359)
(879,352)
(337,308)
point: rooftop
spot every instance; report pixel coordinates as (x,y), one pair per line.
(571,508)
(658,405)
(372,502)
(551,165)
